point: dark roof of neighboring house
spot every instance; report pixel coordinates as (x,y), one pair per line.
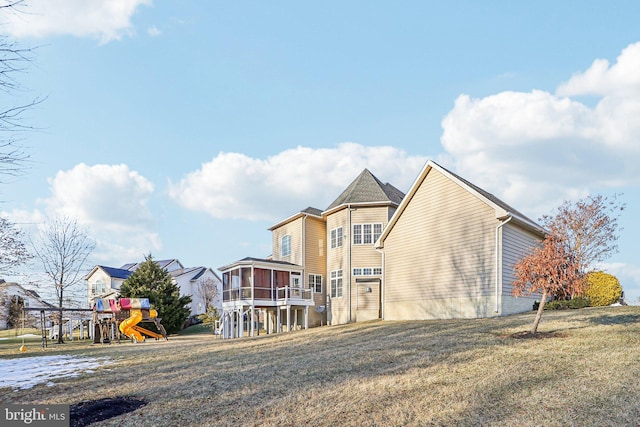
(118,273)
(366,188)
(133,266)
(197,272)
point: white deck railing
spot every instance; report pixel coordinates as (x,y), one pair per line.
(285,294)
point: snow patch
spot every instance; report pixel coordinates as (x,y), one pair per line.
(27,372)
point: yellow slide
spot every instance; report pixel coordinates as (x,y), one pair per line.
(128,326)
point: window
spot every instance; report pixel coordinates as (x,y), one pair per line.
(336,284)
(377,231)
(366,230)
(366,234)
(336,237)
(357,234)
(315,283)
(367,271)
(285,249)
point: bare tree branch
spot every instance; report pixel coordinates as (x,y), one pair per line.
(63,250)
(13,251)
(14,61)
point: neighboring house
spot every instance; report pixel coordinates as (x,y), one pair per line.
(445,250)
(450,249)
(10,291)
(105,282)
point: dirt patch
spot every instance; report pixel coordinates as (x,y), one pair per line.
(90,411)
(537,335)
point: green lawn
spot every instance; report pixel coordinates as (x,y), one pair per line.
(452,372)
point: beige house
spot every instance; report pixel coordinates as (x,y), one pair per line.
(327,263)
(450,249)
(445,250)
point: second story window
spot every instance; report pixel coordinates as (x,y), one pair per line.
(286,246)
(336,237)
(366,234)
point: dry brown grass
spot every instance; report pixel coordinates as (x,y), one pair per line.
(454,372)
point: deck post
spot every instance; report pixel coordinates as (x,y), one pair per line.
(288,318)
(306,317)
(295,319)
(278,321)
(252,329)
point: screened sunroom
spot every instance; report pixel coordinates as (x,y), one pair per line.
(263,295)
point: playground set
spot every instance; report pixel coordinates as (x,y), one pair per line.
(108,317)
(125,314)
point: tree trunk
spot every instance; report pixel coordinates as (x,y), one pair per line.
(60,340)
(536,322)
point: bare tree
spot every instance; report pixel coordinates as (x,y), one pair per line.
(63,249)
(208,291)
(589,227)
(13,251)
(13,60)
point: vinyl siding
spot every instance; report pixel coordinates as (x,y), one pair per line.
(366,305)
(516,243)
(315,263)
(440,255)
(294,229)
(338,259)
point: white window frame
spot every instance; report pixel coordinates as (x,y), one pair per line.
(336,284)
(367,271)
(315,283)
(357,234)
(336,237)
(285,245)
(366,234)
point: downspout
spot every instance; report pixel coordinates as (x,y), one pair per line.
(382,277)
(498,269)
(304,246)
(349,258)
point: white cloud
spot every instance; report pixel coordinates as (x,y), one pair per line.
(111,201)
(536,149)
(602,78)
(234,185)
(106,20)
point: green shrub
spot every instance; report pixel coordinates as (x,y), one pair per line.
(579,302)
(603,289)
(562,304)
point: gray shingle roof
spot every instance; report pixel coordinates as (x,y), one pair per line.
(312,211)
(366,188)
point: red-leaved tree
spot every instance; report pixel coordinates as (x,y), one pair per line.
(550,269)
(589,228)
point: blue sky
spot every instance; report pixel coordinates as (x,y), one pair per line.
(185,129)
